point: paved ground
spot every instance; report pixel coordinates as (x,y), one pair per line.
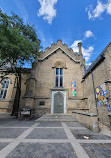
(48,139)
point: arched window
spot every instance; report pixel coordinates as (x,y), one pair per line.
(4,88)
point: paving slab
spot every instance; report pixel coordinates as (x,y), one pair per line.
(98,150)
(11,133)
(42,150)
(45,133)
(50,124)
(57,118)
(21,123)
(79,134)
(51,139)
(74,124)
(2,145)
(4,122)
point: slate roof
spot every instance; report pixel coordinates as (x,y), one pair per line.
(98,60)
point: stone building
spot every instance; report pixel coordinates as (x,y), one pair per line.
(58,83)
(97,83)
(9,95)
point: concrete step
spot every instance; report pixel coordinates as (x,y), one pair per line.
(58,115)
(57,118)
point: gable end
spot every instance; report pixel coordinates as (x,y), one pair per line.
(54,51)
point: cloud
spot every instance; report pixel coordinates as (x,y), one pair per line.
(47,10)
(88,34)
(87,65)
(42,38)
(22,10)
(108,8)
(45,42)
(74,46)
(87,52)
(100,8)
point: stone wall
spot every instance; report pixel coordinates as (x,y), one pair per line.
(37,85)
(45,80)
(101,74)
(87,119)
(8,104)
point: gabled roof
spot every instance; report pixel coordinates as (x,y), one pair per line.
(63,47)
(98,60)
(54,51)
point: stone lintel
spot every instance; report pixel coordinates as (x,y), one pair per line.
(58,89)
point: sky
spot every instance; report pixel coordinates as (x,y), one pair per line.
(72,21)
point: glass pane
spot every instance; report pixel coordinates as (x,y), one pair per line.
(61,81)
(6,86)
(61,71)
(1,93)
(57,71)
(4,95)
(7,83)
(56,84)
(3,84)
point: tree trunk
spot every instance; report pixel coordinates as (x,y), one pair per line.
(16,104)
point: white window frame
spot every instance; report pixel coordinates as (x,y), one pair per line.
(59,78)
(4,88)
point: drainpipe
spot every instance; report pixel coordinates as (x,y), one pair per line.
(96,127)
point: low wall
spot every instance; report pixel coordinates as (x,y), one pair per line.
(87,119)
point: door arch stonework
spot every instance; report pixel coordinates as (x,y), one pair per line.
(58,103)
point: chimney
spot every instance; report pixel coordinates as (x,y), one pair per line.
(80,49)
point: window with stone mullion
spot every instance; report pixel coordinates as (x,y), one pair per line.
(4,88)
(59,77)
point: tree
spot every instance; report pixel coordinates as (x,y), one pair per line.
(18,44)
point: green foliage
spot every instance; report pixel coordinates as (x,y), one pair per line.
(18,42)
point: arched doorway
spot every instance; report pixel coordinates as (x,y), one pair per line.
(58,102)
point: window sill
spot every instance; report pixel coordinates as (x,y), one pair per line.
(2,99)
(58,89)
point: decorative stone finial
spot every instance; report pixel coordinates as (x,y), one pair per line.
(53,44)
(59,41)
(46,49)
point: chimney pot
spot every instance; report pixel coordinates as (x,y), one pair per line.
(80,49)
